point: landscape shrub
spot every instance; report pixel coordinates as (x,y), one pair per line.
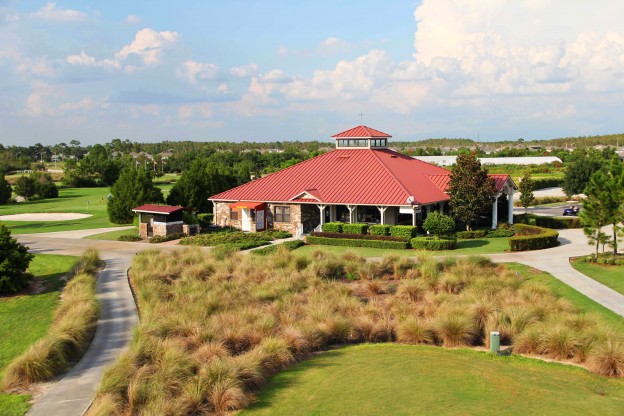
(439,224)
(433,243)
(205,219)
(379,229)
(44,185)
(543,183)
(406,232)
(14,261)
(275,234)
(25,187)
(357,236)
(5,189)
(215,328)
(164,238)
(129,237)
(558,223)
(356,228)
(350,242)
(468,235)
(529,237)
(288,245)
(500,233)
(72,329)
(332,227)
(225,237)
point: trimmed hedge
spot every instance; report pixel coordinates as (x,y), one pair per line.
(164,238)
(348,242)
(558,223)
(332,227)
(357,236)
(500,233)
(404,231)
(205,220)
(129,237)
(357,228)
(529,237)
(434,244)
(379,229)
(542,183)
(469,235)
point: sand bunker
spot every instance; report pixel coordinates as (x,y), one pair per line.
(44,216)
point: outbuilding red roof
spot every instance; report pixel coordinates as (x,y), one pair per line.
(157,209)
(361,132)
(348,176)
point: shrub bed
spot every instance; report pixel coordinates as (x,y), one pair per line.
(357,236)
(333,227)
(529,237)
(433,243)
(542,183)
(351,242)
(70,334)
(205,220)
(164,238)
(129,237)
(288,245)
(558,223)
(406,232)
(469,235)
(357,228)
(217,238)
(500,233)
(379,229)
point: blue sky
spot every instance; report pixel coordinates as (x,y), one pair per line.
(281,70)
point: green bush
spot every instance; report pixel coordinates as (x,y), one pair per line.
(5,189)
(237,239)
(379,229)
(357,243)
(14,260)
(529,237)
(333,227)
(129,237)
(357,228)
(163,238)
(275,234)
(25,186)
(439,224)
(189,218)
(500,233)
(558,223)
(205,220)
(541,183)
(433,243)
(469,235)
(357,236)
(404,231)
(288,245)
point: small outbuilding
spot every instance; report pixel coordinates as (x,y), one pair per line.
(163,220)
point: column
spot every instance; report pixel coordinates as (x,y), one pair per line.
(332,213)
(495,213)
(414,210)
(382,211)
(510,205)
(322,209)
(352,211)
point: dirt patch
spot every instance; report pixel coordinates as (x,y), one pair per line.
(45,216)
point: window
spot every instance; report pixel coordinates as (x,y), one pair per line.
(282,214)
(233,215)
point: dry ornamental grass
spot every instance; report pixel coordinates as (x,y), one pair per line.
(215,328)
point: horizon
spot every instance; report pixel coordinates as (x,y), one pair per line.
(278,71)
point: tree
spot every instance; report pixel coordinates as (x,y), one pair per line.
(14,260)
(133,188)
(197,184)
(25,186)
(439,224)
(471,189)
(96,169)
(5,190)
(526,188)
(44,186)
(580,169)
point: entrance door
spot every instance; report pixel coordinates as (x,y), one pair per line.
(245,219)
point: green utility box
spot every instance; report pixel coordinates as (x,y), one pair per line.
(494,342)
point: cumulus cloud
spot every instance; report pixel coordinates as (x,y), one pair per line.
(84,59)
(244,71)
(51,12)
(333,45)
(132,19)
(193,71)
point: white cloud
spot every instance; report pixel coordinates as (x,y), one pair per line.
(223,89)
(282,51)
(86,60)
(51,12)
(199,110)
(333,45)
(148,45)
(244,71)
(132,19)
(193,71)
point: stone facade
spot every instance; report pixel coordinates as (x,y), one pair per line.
(163,228)
(222,217)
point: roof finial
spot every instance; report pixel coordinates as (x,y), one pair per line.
(361,115)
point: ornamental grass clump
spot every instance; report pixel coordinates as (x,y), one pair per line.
(215,328)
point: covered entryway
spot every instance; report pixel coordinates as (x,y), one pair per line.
(248,215)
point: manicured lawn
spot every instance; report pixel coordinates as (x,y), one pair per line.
(112,235)
(577,299)
(611,276)
(25,319)
(476,246)
(390,379)
(81,200)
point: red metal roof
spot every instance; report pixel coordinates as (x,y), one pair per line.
(158,209)
(442,181)
(361,132)
(348,176)
(500,179)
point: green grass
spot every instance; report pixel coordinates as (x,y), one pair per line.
(112,235)
(80,200)
(610,276)
(576,298)
(390,379)
(464,247)
(26,318)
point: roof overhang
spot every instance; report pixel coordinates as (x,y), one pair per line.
(247,204)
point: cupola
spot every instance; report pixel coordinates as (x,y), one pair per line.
(361,137)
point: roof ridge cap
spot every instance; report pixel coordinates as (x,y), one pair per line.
(397,180)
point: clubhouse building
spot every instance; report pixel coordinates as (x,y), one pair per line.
(361,180)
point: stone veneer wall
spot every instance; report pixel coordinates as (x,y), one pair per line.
(222,217)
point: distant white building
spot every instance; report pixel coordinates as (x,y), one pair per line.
(522,160)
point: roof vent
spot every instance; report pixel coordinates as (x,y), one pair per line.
(394,156)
